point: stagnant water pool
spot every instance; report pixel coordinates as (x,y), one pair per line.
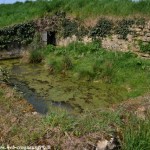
(44,91)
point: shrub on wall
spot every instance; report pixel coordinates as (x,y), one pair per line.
(102,28)
(73,27)
(123,29)
(140,21)
(144,47)
(70,28)
(16,36)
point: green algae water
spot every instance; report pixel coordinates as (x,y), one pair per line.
(45,90)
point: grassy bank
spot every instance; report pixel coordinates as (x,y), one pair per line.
(124,72)
(19,126)
(22,12)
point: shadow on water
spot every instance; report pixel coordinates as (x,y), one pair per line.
(39,103)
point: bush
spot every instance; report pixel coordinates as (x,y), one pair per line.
(102,28)
(36,56)
(123,28)
(67,63)
(54,64)
(70,28)
(144,47)
(17,36)
(4,75)
(48,49)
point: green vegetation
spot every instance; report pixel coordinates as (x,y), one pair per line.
(88,122)
(123,28)
(133,132)
(114,68)
(91,62)
(102,28)
(136,135)
(35,56)
(23,12)
(94,75)
(144,47)
(1,93)
(17,127)
(16,36)
(4,75)
(22,35)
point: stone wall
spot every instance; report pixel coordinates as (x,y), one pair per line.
(120,34)
(131,43)
(136,32)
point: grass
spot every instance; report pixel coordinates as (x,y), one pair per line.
(1,93)
(91,62)
(134,133)
(88,122)
(64,121)
(144,47)
(35,56)
(20,127)
(23,12)
(124,71)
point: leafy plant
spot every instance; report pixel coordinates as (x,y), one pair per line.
(123,28)
(36,56)
(16,36)
(48,49)
(70,28)
(4,74)
(140,21)
(144,47)
(102,28)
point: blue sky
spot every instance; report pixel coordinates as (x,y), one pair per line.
(10,1)
(13,1)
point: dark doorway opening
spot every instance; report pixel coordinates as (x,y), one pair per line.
(51,38)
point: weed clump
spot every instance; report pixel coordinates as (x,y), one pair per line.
(36,51)
(136,135)
(123,28)
(102,28)
(144,47)
(36,56)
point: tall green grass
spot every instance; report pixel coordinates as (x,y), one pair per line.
(22,12)
(136,135)
(36,56)
(133,133)
(91,62)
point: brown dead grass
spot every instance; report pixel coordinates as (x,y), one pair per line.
(25,56)
(64,141)
(92,20)
(18,124)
